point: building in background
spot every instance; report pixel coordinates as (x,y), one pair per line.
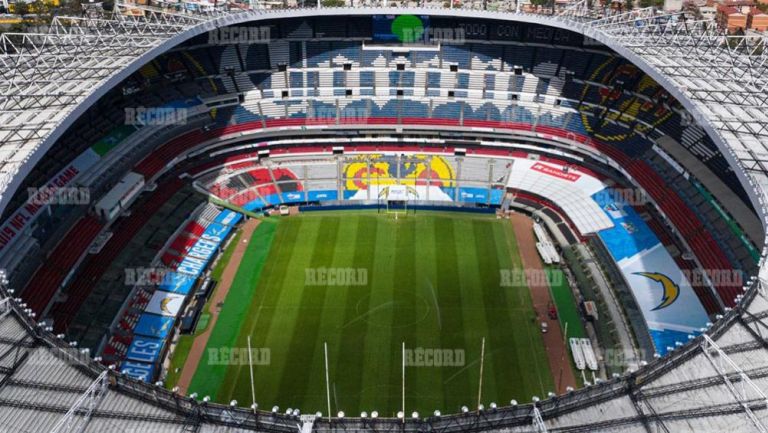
(757,20)
(731,18)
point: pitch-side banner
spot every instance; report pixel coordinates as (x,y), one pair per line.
(228,217)
(526,172)
(151,325)
(662,291)
(138,370)
(145,349)
(418,192)
(177,283)
(26,214)
(670,307)
(165,304)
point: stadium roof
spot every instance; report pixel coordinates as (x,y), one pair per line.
(51,78)
(715,383)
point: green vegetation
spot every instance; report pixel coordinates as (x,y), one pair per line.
(567,311)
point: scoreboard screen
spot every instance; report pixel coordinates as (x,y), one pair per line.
(450,30)
(400,28)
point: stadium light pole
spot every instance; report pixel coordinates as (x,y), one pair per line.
(480,384)
(562,358)
(403,406)
(327,381)
(250,367)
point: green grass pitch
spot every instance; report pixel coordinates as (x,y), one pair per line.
(432,281)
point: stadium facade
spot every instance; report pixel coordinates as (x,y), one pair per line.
(705,92)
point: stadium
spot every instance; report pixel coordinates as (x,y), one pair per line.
(380,219)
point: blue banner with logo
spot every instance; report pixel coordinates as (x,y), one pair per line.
(138,370)
(145,349)
(228,217)
(473,195)
(177,283)
(663,293)
(293,197)
(322,195)
(630,234)
(152,325)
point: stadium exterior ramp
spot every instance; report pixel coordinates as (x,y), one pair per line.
(716,382)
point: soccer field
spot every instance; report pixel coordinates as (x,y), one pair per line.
(365,283)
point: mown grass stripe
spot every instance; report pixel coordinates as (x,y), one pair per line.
(304,342)
(360,250)
(272,313)
(452,257)
(450,287)
(209,378)
(376,386)
(264,299)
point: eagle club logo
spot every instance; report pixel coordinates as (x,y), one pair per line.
(671,290)
(383,170)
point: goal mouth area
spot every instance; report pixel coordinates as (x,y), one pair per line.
(396,198)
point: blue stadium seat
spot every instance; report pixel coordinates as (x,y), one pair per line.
(456,55)
(412,108)
(318,52)
(369,56)
(433,80)
(296,79)
(257,57)
(518,55)
(486,54)
(448,110)
(462,80)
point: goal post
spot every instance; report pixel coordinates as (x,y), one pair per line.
(395,199)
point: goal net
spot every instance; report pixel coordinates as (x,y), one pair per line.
(394,199)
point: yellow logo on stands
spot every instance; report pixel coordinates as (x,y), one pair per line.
(164,305)
(611,75)
(671,290)
(382,170)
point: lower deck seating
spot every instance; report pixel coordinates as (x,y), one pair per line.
(61,261)
(94,266)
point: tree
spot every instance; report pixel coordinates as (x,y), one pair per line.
(651,3)
(21,8)
(69,8)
